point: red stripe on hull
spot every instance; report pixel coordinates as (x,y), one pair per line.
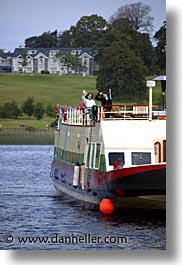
(96,178)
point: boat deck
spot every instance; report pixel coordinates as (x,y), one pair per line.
(75,115)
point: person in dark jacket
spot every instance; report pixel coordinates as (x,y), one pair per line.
(106,102)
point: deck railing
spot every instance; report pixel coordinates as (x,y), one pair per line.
(86,117)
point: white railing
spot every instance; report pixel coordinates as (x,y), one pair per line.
(86,117)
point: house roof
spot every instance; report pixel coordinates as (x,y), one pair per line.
(20,51)
(5,55)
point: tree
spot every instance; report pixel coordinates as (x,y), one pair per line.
(138,42)
(69,61)
(1,112)
(65,39)
(6,110)
(87,31)
(46,40)
(137,15)
(160,49)
(24,60)
(142,46)
(66,59)
(31,42)
(122,71)
(10,110)
(28,106)
(50,111)
(39,110)
(16,111)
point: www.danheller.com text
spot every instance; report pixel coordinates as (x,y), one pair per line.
(66,239)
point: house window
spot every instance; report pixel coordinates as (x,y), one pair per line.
(140,158)
(31,52)
(41,60)
(85,61)
(52,60)
(28,59)
(53,53)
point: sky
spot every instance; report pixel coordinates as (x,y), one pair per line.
(21,19)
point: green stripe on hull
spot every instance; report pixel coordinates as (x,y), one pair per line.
(72,158)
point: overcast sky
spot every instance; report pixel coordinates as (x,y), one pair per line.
(21,19)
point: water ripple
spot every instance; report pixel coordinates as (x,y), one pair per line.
(30,208)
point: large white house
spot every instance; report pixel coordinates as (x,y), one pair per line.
(53,60)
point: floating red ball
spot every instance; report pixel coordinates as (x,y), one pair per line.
(106,206)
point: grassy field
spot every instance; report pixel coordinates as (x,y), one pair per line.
(45,88)
(48,89)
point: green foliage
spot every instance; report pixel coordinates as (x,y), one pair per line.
(10,110)
(50,111)
(54,124)
(39,110)
(24,61)
(87,31)
(122,71)
(1,112)
(28,106)
(160,49)
(138,42)
(46,40)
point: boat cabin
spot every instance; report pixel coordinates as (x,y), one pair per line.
(126,138)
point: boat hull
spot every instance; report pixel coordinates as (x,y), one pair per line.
(141,187)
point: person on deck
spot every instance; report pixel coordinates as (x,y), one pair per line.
(90,108)
(106,102)
(88,100)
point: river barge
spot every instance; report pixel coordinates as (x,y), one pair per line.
(121,157)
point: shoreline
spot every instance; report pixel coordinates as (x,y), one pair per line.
(24,136)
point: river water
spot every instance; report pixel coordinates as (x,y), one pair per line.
(33,216)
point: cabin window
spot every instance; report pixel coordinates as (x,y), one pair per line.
(93,155)
(141,158)
(116,157)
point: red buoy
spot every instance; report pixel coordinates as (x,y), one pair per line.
(106,206)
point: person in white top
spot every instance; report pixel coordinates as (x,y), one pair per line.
(88,100)
(90,108)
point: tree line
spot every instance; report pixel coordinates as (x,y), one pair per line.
(11,109)
(122,48)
